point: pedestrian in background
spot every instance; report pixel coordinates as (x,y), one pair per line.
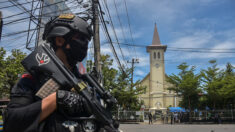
(172,118)
(150,118)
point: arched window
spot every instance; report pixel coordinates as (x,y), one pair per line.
(158,54)
(154,55)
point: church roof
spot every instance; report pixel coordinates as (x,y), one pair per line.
(146,77)
(156,39)
(156,44)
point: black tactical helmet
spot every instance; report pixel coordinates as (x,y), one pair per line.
(68,26)
(65,24)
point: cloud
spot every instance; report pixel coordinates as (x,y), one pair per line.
(106,49)
(194,40)
(225,45)
(203,39)
(143,61)
(182,23)
(140,73)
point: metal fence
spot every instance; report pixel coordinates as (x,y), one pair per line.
(214,116)
(164,117)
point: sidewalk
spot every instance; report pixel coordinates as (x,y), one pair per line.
(154,122)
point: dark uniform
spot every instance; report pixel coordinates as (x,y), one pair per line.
(24,108)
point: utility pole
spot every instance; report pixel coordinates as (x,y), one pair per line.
(132,70)
(96,39)
(1,23)
(39,24)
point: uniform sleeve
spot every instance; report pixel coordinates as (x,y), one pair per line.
(23,111)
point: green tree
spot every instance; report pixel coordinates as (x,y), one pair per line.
(108,72)
(119,84)
(2,72)
(227,90)
(128,97)
(187,85)
(11,69)
(212,83)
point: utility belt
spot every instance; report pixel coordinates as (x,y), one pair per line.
(76,124)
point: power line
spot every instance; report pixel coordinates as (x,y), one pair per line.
(4,1)
(200,50)
(21,7)
(34,9)
(14,21)
(160,61)
(15,45)
(37,16)
(22,31)
(128,18)
(25,19)
(13,39)
(10,34)
(110,40)
(112,25)
(145,45)
(119,20)
(14,5)
(28,11)
(19,32)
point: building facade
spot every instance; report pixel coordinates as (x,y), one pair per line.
(157,96)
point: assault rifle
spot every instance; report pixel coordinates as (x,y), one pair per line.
(44,61)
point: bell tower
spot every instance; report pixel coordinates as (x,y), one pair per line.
(157,71)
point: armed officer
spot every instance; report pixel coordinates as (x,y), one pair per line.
(68,35)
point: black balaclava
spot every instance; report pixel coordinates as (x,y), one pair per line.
(77,51)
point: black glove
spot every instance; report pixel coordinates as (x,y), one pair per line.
(70,103)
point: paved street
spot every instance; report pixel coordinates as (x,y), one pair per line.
(176,128)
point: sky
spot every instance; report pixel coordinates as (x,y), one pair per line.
(203,24)
(206,24)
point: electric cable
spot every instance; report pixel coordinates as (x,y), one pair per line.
(37,16)
(13,39)
(32,9)
(110,40)
(21,7)
(200,51)
(128,18)
(112,25)
(31,15)
(203,50)
(119,20)
(4,1)
(14,5)
(18,32)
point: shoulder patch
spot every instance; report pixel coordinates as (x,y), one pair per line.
(27,76)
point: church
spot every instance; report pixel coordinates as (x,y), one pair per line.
(157,96)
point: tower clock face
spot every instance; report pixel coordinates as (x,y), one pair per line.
(156,65)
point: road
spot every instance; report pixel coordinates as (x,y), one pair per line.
(176,128)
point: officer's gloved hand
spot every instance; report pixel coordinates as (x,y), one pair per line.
(70,103)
